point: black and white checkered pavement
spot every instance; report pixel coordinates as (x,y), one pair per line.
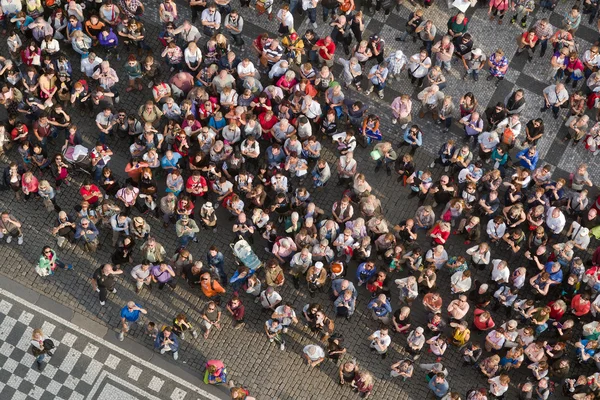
(83,366)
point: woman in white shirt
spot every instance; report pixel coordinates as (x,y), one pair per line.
(418,67)
(193,57)
(499,385)
(480,255)
(39,351)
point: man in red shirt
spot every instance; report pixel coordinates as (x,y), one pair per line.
(326,50)
(90,193)
(196,186)
(19,133)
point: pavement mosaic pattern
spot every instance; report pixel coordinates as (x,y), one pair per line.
(268,372)
(83,366)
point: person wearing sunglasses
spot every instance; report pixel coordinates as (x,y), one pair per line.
(48,262)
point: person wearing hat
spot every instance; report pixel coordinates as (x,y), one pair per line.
(415,341)
(474,63)
(316,277)
(208,218)
(186,230)
(294,47)
(139,228)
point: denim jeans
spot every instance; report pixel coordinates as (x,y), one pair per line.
(185,239)
(312,15)
(447,65)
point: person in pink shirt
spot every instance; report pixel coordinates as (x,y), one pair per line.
(29,185)
(498,8)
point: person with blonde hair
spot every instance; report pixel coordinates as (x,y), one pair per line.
(363,384)
(41,346)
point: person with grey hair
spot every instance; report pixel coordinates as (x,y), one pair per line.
(130,315)
(352,72)
(487,143)
(313,355)
(87,233)
(377,79)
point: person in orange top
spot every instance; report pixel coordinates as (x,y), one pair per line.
(581,305)
(211,287)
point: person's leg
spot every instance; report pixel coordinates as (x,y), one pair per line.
(103,294)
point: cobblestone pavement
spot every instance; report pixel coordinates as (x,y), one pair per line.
(83,366)
(268,372)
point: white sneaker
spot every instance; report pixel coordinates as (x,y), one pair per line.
(1,235)
(195,334)
(182,336)
(176,356)
(20,240)
(150,84)
(432,165)
(394,121)
(404,126)
(8,239)
(163,351)
(285,330)
(106,196)
(98,290)
(114,290)
(446,168)
(271,340)
(121,336)
(368,92)
(102,303)
(314,24)
(282,346)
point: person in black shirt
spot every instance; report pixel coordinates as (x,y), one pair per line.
(463,45)
(414,20)
(406,231)
(192,273)
(103,281)
(495,115)
(401,320)
(443,191)
(537,259)
(534,130)
(515,102)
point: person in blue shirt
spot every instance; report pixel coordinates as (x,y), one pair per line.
(555,271)
(167,341)
(586,349)
(528,158)
(87,232)
(413,137)
(381,309)
(275,156)
(170,161)
(365,271)
(439,385)
(216,261)
(130,314)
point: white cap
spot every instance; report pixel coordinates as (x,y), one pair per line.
(318,265)
(476,52)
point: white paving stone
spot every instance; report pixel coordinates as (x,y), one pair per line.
(156,383)
(134,372)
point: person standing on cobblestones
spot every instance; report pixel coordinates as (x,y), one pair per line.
(103,281)
(48,262)
(142,276)
(130,314)
(11,228)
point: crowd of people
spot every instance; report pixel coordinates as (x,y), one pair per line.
(252,134)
